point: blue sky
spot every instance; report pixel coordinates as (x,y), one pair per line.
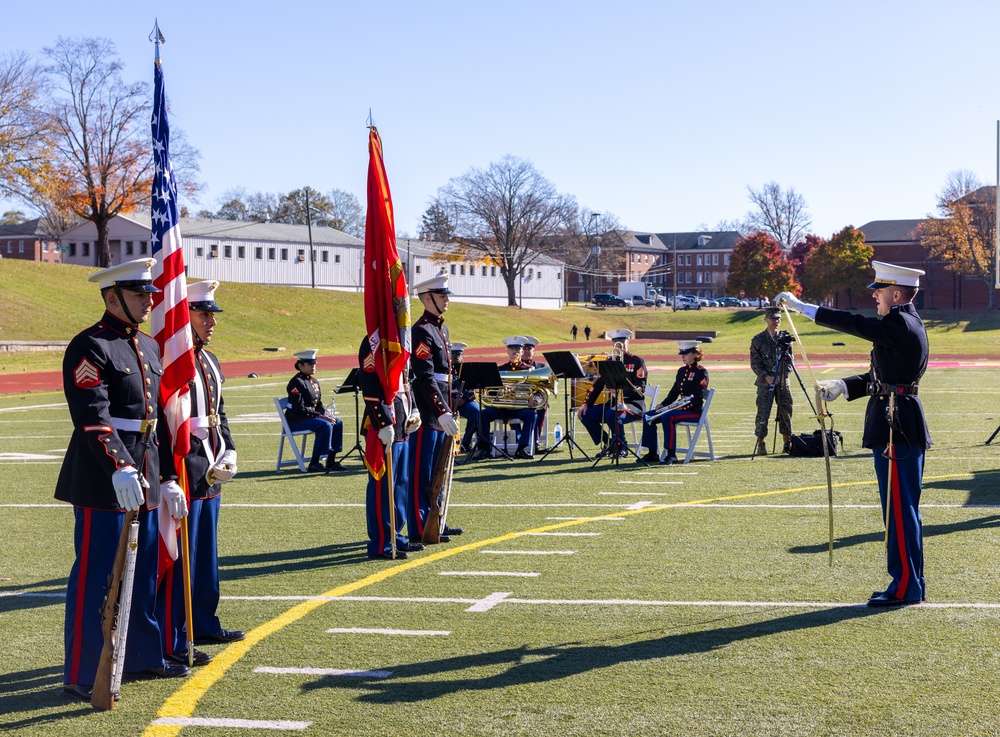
(659,112)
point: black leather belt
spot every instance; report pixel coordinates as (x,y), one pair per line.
(878,388)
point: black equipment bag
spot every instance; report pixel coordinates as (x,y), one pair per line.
(811,444)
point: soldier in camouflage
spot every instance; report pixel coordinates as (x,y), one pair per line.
(764,351)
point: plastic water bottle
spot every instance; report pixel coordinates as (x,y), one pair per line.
(558,432)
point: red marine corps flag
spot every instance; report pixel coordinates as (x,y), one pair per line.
(387,301)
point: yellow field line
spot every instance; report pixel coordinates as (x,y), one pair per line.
(183,702)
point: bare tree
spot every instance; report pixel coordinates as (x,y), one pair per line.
(780,213)
(509,213)
(346,208)
(964,234)
(24,131)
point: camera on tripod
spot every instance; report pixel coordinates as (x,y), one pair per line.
(784,339)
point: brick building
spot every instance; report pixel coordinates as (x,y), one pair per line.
(26,241)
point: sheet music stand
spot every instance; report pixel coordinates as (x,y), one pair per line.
(351,385)
(478,376)
(566,366)
(615,379)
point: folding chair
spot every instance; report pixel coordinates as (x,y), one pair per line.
(281,404)
(501,438)
(701,424)
(651,397)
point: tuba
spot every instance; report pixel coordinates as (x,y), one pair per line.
(522,389)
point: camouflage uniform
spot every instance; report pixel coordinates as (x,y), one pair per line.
(763,356)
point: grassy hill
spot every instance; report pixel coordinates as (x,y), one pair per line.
(55,301)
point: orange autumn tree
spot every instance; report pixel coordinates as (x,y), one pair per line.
(758,267)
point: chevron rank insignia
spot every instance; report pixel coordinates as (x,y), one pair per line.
(86,375)
(423,351)
(369,363)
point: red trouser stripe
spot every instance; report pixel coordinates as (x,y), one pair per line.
(415,484)
(168,593)
(81,591)
(378,503)
(897,519)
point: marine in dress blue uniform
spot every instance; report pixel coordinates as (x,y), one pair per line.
(898,439)
(212,450)
(306,412)
(462,399)
(593,415)
(691,381)
(529,360)
(430,381)
(111,378)
(391,427)
(527,417)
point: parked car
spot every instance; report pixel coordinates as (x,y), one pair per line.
(685,302)
(642,302)
(730,302)
(609,300)
(661,302)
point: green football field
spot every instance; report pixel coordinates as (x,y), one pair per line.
(685,600)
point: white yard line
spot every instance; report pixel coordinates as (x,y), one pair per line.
(273,724)
(527,552)
(515,574)
(391,632)
(324,672)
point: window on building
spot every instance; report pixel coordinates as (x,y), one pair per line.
(258,253)
(336,258)
(687,259)
(725,259)
(416,269)
(227,251)
(10,246)
(493,271)
(199,251)
(715,259)
(558,276)
(326,256)
(86,249)
(463,269)
(698,261)
(20,246)
(454,270)
(531,273)
(484,271)
(301,254)
(284,254)
(72,249)
(700,280)
(241,251)
(129,248)
(143,246)
(271,253)
(314,256)
(538,274)
(45,247)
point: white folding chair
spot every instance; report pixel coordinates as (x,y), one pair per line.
(500,432)
(299,453)
(701,424)
(651,399)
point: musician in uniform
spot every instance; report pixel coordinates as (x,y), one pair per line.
(387,428)
(617,414)
(305,411)
(210,463)
(462,399)
(430,380)
(529,360)
(764,352)
(895,426)
(526,417)
(119,458)
(687,393)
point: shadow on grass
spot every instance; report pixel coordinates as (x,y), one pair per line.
(36,595)
(236,567)
(35,690)
(527,665)
(981,523)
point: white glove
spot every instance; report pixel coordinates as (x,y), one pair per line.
(412,422)
(224,469)
(832,389)
(128,488)
(173,495)
(448,423)
(387,434)
(793,302)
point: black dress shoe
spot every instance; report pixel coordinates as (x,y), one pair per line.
(523,454)
(400,555)
(410,547)
(650,458)
(82,693)
(181,656)
(465,448)
(168,670)
(884,599)
(316,467)
(623,452)
(670,460)
(335,466)
(876,594)
(453,530)
(444,539)
(224,636)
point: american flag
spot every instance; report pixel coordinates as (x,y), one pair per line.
(170,320)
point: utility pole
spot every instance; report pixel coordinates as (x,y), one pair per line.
(309,225)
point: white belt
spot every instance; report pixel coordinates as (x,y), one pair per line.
(120,423)
(441,377)
(203,423)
